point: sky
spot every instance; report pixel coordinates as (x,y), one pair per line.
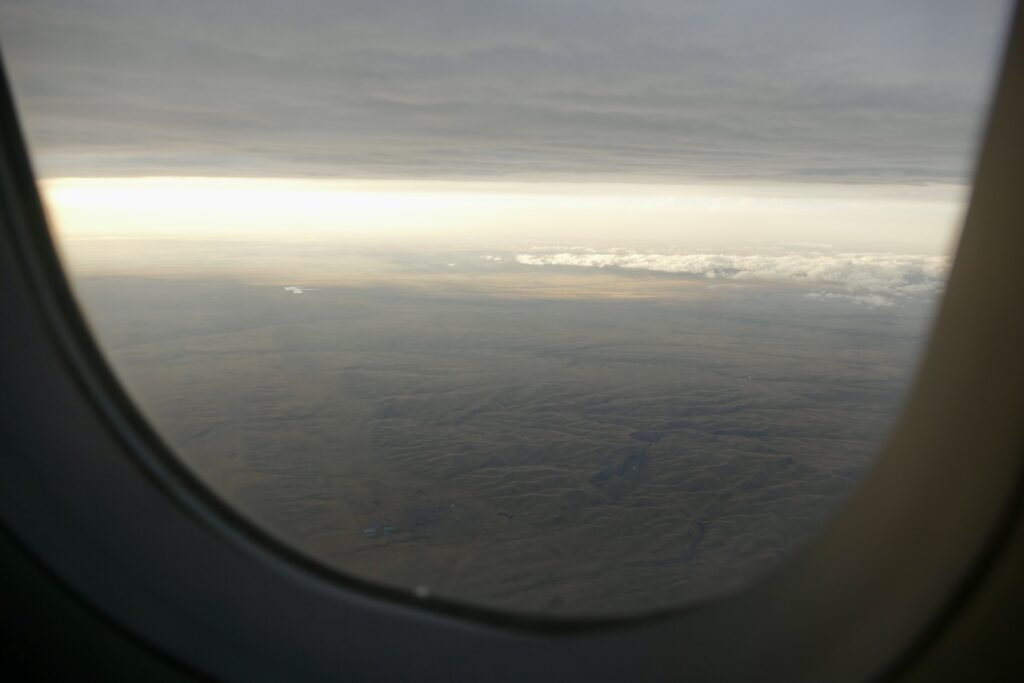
(747,100)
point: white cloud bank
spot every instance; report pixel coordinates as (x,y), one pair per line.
(869,279)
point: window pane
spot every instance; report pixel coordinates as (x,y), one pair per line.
(568,308)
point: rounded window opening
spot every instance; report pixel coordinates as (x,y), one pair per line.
(553,308)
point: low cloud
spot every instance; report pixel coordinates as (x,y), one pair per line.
(867,279)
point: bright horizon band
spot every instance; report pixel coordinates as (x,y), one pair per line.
(902,218)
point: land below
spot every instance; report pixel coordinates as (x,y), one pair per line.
(525,447)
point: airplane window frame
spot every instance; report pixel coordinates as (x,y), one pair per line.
(91,491)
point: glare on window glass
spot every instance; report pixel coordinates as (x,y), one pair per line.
(566,307)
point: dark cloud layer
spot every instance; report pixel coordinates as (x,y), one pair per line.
(804,90)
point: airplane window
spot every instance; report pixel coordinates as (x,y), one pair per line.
(568,308)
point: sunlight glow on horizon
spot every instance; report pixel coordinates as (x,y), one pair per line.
(874,217)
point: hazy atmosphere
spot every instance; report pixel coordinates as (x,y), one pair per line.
(566,307)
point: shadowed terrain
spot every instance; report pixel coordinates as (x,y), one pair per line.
(570,455)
